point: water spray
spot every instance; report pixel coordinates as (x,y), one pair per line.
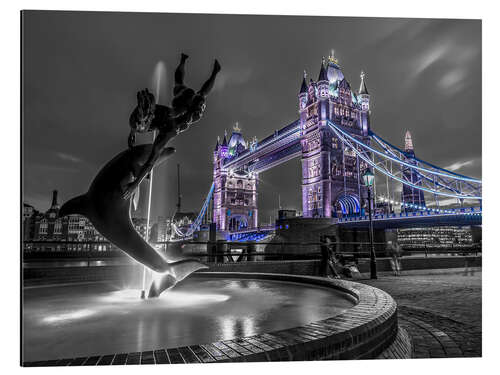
(159,72)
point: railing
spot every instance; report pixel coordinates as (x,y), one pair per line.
(228,252)
(467,211)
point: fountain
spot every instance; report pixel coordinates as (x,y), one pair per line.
(211,316)
(216,316)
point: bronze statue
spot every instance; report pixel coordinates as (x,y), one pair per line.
(187,108)
(104,206)
(108,201)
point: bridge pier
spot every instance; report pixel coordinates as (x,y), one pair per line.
(308,230)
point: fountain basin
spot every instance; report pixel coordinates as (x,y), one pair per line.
(214,317)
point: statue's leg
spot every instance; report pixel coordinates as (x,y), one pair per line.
(180,72)
(209,84)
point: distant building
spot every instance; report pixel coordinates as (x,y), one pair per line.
(29,217)
(140,225)
(53,232)
(411,195)
(161,230)
(437,237)
(286,214)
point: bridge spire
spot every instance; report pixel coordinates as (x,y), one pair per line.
(408,141)
(322,71)
(236,127)
(224,142)
(303,87)
(362,87)
(332,58)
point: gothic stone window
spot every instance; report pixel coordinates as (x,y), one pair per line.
(43,226)
(58,227)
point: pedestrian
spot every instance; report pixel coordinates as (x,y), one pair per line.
(328,259)
(395,257)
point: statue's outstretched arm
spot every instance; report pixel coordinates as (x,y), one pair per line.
(209,84)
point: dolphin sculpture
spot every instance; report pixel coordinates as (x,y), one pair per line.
(104,206)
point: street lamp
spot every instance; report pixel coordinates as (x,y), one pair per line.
(368,179)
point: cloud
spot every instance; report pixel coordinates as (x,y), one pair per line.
(428,58)
(68,157)
(460,164)
(452,80)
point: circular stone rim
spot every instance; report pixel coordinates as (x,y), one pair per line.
(360,332)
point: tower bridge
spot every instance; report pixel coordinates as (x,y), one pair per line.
(336,144)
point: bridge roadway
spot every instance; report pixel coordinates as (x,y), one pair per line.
(281,146)
(418,219)
(428,218)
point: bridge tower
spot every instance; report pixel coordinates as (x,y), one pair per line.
(410,195)
(235,191)
(331,172)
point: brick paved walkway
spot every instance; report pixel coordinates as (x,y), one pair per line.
(440,310)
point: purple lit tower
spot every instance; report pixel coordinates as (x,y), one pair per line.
(235,192)
(331,172)
(410,195)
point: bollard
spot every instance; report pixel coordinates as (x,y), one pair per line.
(221,250)
(251,250)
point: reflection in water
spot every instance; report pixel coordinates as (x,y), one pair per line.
(96,319)
(232,326)
(170,298)
(68,317)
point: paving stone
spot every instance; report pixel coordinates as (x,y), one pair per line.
(119,359)
(161,357)
(133,358)
(91,361)
(202,354)
(106,360)
(147,358)
(175,356)
(188,355)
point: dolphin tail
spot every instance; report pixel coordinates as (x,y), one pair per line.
(79,205)
(185,267)
(178,271)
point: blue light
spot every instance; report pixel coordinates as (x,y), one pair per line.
(375,165)
(400,161)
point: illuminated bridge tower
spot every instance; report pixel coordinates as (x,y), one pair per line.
(331,172)
(235,192)
(410,195)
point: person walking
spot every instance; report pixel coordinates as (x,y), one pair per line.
(329,258)
(395,257)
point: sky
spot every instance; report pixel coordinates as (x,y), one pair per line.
(81,72)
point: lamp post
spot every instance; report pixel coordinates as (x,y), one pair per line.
(368,179)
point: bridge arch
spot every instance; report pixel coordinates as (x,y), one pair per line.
(237,222)
(347,205)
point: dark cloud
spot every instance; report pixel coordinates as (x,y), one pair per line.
(81,72)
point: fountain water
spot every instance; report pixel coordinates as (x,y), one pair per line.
(158,75)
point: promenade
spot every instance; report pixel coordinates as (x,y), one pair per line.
(439,309)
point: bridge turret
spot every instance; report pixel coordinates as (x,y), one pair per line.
(411,199)
(333,71)
(312,92)
(323,83)
(364,100)
(217,144)
(409,143)
(303,93)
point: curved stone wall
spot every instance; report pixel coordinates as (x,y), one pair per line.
(363,331)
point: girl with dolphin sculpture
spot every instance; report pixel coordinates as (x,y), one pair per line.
(107,202)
